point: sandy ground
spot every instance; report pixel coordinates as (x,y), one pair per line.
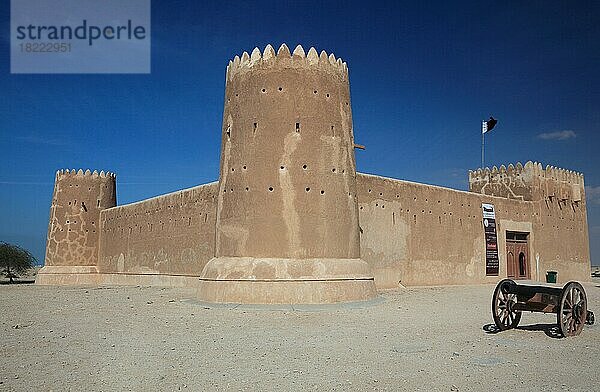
(142,338)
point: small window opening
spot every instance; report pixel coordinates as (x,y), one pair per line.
(307,189)
(270,189)
(228,132)
(298,127)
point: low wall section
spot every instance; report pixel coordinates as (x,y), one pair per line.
(173,234)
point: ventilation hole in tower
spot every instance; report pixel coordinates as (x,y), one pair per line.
(255,127)
(297,127)
(314,92)
(89,189)
(232,169)
(280,88)
(244,167)
(382,206)
(327,95)
(370,191)
(69,203)
(270,189)
(67,221)
(228,99)
(361,208)
(229,132)
(307,189)
(333,170)
(282,167)
(247,189)
(304,167)
(237,95)
(224,190)
(376,204)
(231,190)
(264,90)
(322,192)
(343,171)
(380,193)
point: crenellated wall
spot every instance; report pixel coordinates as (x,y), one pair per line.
(529,182)
(417,234)
(172,234)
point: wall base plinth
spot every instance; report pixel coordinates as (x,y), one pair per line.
(89,276)
(249,280)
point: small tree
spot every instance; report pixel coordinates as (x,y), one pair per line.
(14,260)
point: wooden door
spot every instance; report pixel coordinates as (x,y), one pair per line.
(517,255)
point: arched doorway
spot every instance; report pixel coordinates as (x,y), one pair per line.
(517,255)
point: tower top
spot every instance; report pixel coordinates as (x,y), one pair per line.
(66,173)
(286,59)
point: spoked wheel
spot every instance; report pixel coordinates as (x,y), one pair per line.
(573,309)
(502,306)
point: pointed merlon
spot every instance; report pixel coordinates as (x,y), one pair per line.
(299,51)
(268,53)
(332,59)
(255,56)
(284,51)
(312,56)
(102,174)
(323,57)
(245,59)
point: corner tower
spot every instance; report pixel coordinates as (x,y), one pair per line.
(74,227)
(287,216)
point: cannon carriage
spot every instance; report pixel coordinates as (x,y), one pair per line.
(569,303)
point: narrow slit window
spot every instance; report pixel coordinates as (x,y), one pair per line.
(298,127)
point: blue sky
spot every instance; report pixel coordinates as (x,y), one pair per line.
(423,75)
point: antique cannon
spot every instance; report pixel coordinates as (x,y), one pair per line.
(569,303)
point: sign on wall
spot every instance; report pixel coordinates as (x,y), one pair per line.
(492,262)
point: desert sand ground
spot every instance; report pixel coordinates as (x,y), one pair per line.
(147,338)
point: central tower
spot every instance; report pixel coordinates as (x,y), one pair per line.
(287,218)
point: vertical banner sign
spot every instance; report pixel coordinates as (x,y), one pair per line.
(491,240)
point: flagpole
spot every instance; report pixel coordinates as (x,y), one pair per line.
(482,149)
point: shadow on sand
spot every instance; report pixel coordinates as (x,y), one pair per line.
(19,281)
(551,330)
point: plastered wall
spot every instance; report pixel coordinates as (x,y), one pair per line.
(416,234)
(74,226)
(287,186)
(171,234)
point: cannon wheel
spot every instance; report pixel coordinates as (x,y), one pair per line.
(502,306)
(573,309)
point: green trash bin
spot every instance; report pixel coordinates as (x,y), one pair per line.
(551,276)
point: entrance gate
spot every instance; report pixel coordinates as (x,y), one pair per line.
(517,255)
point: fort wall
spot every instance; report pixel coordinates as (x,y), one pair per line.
(172,234)
(417,234)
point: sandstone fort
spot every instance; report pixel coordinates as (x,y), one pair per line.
(290,220)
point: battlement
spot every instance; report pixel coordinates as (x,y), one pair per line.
(66,173)
(284,59)
(529,182)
